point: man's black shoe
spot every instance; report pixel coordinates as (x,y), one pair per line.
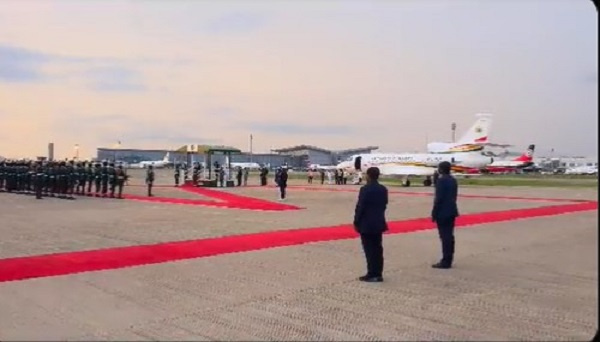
(370,279)
(441,266)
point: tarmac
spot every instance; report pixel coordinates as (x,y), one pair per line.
(521,278)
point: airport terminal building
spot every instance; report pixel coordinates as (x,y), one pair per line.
(297,156)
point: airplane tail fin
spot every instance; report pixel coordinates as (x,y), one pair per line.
(479,132)
(527,156)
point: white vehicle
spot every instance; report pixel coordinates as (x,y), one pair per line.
(475,139)
(412,164)
(157,164)
(321,167)
(251,166)
(582,170)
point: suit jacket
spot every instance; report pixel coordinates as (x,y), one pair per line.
(444,204)
(369,215)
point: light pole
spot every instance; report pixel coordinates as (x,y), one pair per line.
(76,151)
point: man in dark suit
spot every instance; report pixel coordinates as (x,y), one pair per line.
(282,182)
(370,223)
(445,212)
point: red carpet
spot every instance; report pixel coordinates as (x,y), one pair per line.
(113,258)
(224,200)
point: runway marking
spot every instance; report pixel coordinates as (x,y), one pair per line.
(22,268)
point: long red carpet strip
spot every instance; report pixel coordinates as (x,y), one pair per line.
(22,268)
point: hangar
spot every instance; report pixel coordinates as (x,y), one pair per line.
(317,155)
(296,156)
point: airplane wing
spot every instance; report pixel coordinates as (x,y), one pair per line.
(405,170)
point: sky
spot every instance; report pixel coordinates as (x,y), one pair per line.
(335,74)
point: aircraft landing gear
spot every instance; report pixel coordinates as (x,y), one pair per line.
(427,181)
(406,182)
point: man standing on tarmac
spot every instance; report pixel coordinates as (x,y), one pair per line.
(445,212)
(282,182)
(150,179)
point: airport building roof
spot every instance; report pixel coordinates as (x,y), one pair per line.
(320,149)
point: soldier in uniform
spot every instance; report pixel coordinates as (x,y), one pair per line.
(112,179)
(195,174)
(39,180)
(150,179)
(30,178)
(104,178)
(90,177)
(246,175)
(81,178)
(177,174)
(221,176)
(186,173)
(120,178)
(72,180)
(239,176)
(263,175)
(51,177)
(63,180)
(97,178)
(2,174)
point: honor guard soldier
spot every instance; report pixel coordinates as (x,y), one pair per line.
(51,177)
(39,180)
(120,177)
(239,176)
(71,179)
(150,179)
(97,178)
(104,178)
(186,173)
(177,174)
(246,175)
(81,178)
(90,177)
(112,179)
(2,175)
(63,180)
(195,174)
(263,175)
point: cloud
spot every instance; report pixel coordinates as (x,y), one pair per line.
(283,128)
(118,79)
(21,65)
(236,22)
(18,64)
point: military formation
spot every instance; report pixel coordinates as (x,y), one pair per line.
(62,179)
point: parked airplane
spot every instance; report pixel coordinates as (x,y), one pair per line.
(407,164)
(251,166)
(475,139)
(157,164)
(505,166)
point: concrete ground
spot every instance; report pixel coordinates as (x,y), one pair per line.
(530,279)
